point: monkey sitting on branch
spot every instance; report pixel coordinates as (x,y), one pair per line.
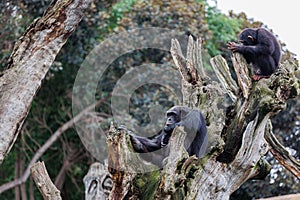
(260,48)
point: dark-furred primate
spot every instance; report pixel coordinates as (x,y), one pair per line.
(260,48)
(194,125)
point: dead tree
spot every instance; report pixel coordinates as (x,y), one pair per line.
(240,134)
(29,63)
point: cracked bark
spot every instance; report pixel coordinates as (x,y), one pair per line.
(29,62)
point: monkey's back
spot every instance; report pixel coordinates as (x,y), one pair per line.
(277,48)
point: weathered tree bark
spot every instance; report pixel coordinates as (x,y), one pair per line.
(98,182)
(29,62)
(236,133)
(42,180)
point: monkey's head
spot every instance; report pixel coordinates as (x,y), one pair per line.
(174,116)
(248,36)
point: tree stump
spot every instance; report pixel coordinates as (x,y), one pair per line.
(236,132)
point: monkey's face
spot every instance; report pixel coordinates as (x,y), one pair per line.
(172,119)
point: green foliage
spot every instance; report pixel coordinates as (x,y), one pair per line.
(223,29)
(119,8)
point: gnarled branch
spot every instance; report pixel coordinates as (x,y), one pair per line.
(42,180)
(281,154)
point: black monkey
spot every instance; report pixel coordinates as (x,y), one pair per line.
(195,143)
(259,47)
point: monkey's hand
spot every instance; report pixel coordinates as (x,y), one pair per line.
(165,140)
(234,47)
(123,127)
(135,142)
(137,145)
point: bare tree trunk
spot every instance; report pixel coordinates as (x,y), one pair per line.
(236,136)
(29,62)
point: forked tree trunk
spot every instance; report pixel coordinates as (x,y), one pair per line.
(29,63)
(236,133)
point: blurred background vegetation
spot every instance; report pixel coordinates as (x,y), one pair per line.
(67,160)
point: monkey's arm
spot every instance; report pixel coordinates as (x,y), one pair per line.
(144,144)
(149,144)
(266,48)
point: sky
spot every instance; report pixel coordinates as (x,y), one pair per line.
(280,16)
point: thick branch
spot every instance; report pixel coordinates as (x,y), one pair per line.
(191,67)
(126,166)
(32,56)
(242,73)
(170,176)
(123,162)
(221,69)
(42,180)
(281,154)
